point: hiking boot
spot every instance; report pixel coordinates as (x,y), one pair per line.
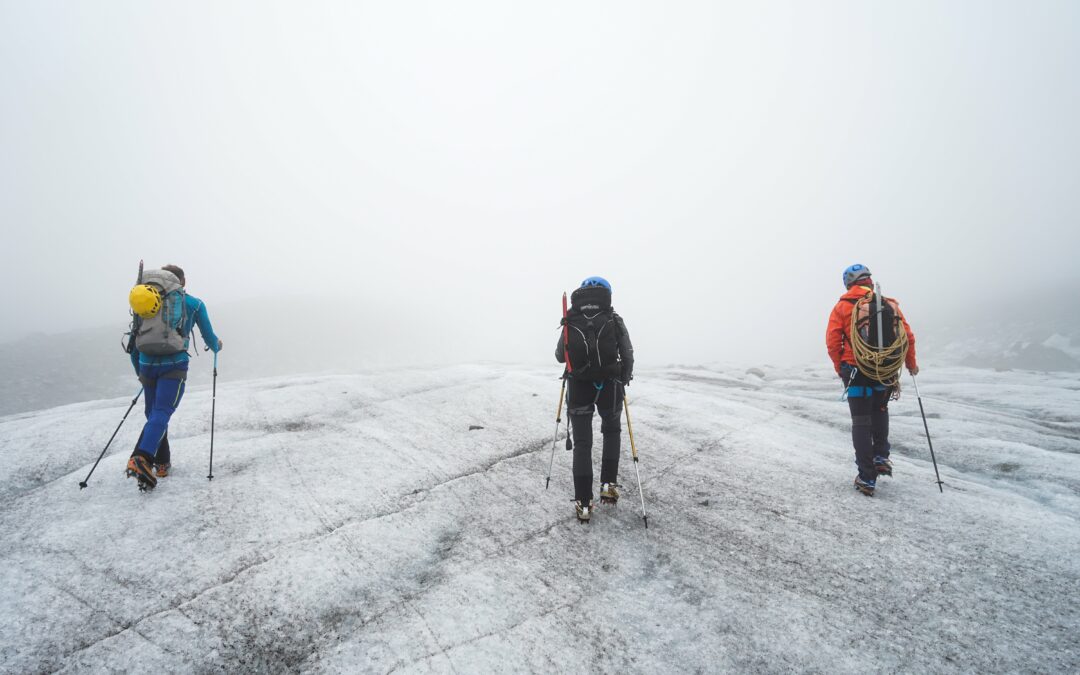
(609,493)
(883,466)
(162,470)
(139,467)
(865,486)
(584,512)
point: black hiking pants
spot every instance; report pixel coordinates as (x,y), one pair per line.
(868,401)
(606,398)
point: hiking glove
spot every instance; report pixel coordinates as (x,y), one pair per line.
(845,372)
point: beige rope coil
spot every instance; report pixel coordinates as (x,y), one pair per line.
(881,365)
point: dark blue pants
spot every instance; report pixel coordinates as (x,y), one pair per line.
(583,399)
(869,404)
(163,387)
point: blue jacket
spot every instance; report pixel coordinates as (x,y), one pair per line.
(195,315)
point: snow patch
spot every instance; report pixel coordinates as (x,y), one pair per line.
(356,524)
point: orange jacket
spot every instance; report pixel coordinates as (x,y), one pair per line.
(837,337)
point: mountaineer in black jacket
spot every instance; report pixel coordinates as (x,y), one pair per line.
(600,364)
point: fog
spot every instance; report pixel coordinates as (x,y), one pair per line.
(409,183)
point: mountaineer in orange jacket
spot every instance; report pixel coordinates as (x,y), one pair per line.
(868,399)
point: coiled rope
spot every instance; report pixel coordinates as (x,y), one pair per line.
(881,365)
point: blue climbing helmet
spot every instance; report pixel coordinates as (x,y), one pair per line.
(854,273)
(596,281)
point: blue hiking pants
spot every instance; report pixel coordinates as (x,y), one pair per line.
(163,387)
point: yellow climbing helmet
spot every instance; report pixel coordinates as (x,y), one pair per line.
(145,300)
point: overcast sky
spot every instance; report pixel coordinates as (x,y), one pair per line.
(720,163)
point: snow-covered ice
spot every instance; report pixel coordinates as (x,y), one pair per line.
(356,524)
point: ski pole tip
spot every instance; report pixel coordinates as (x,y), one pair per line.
(82,485)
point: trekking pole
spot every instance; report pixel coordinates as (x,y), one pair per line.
(133,402)
(213,408)
(927,428)
(633,452)
(555,438)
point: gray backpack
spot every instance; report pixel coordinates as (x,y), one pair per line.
(163,333)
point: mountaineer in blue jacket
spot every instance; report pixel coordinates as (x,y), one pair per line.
(166,316)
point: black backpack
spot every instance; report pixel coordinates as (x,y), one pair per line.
(592,347)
